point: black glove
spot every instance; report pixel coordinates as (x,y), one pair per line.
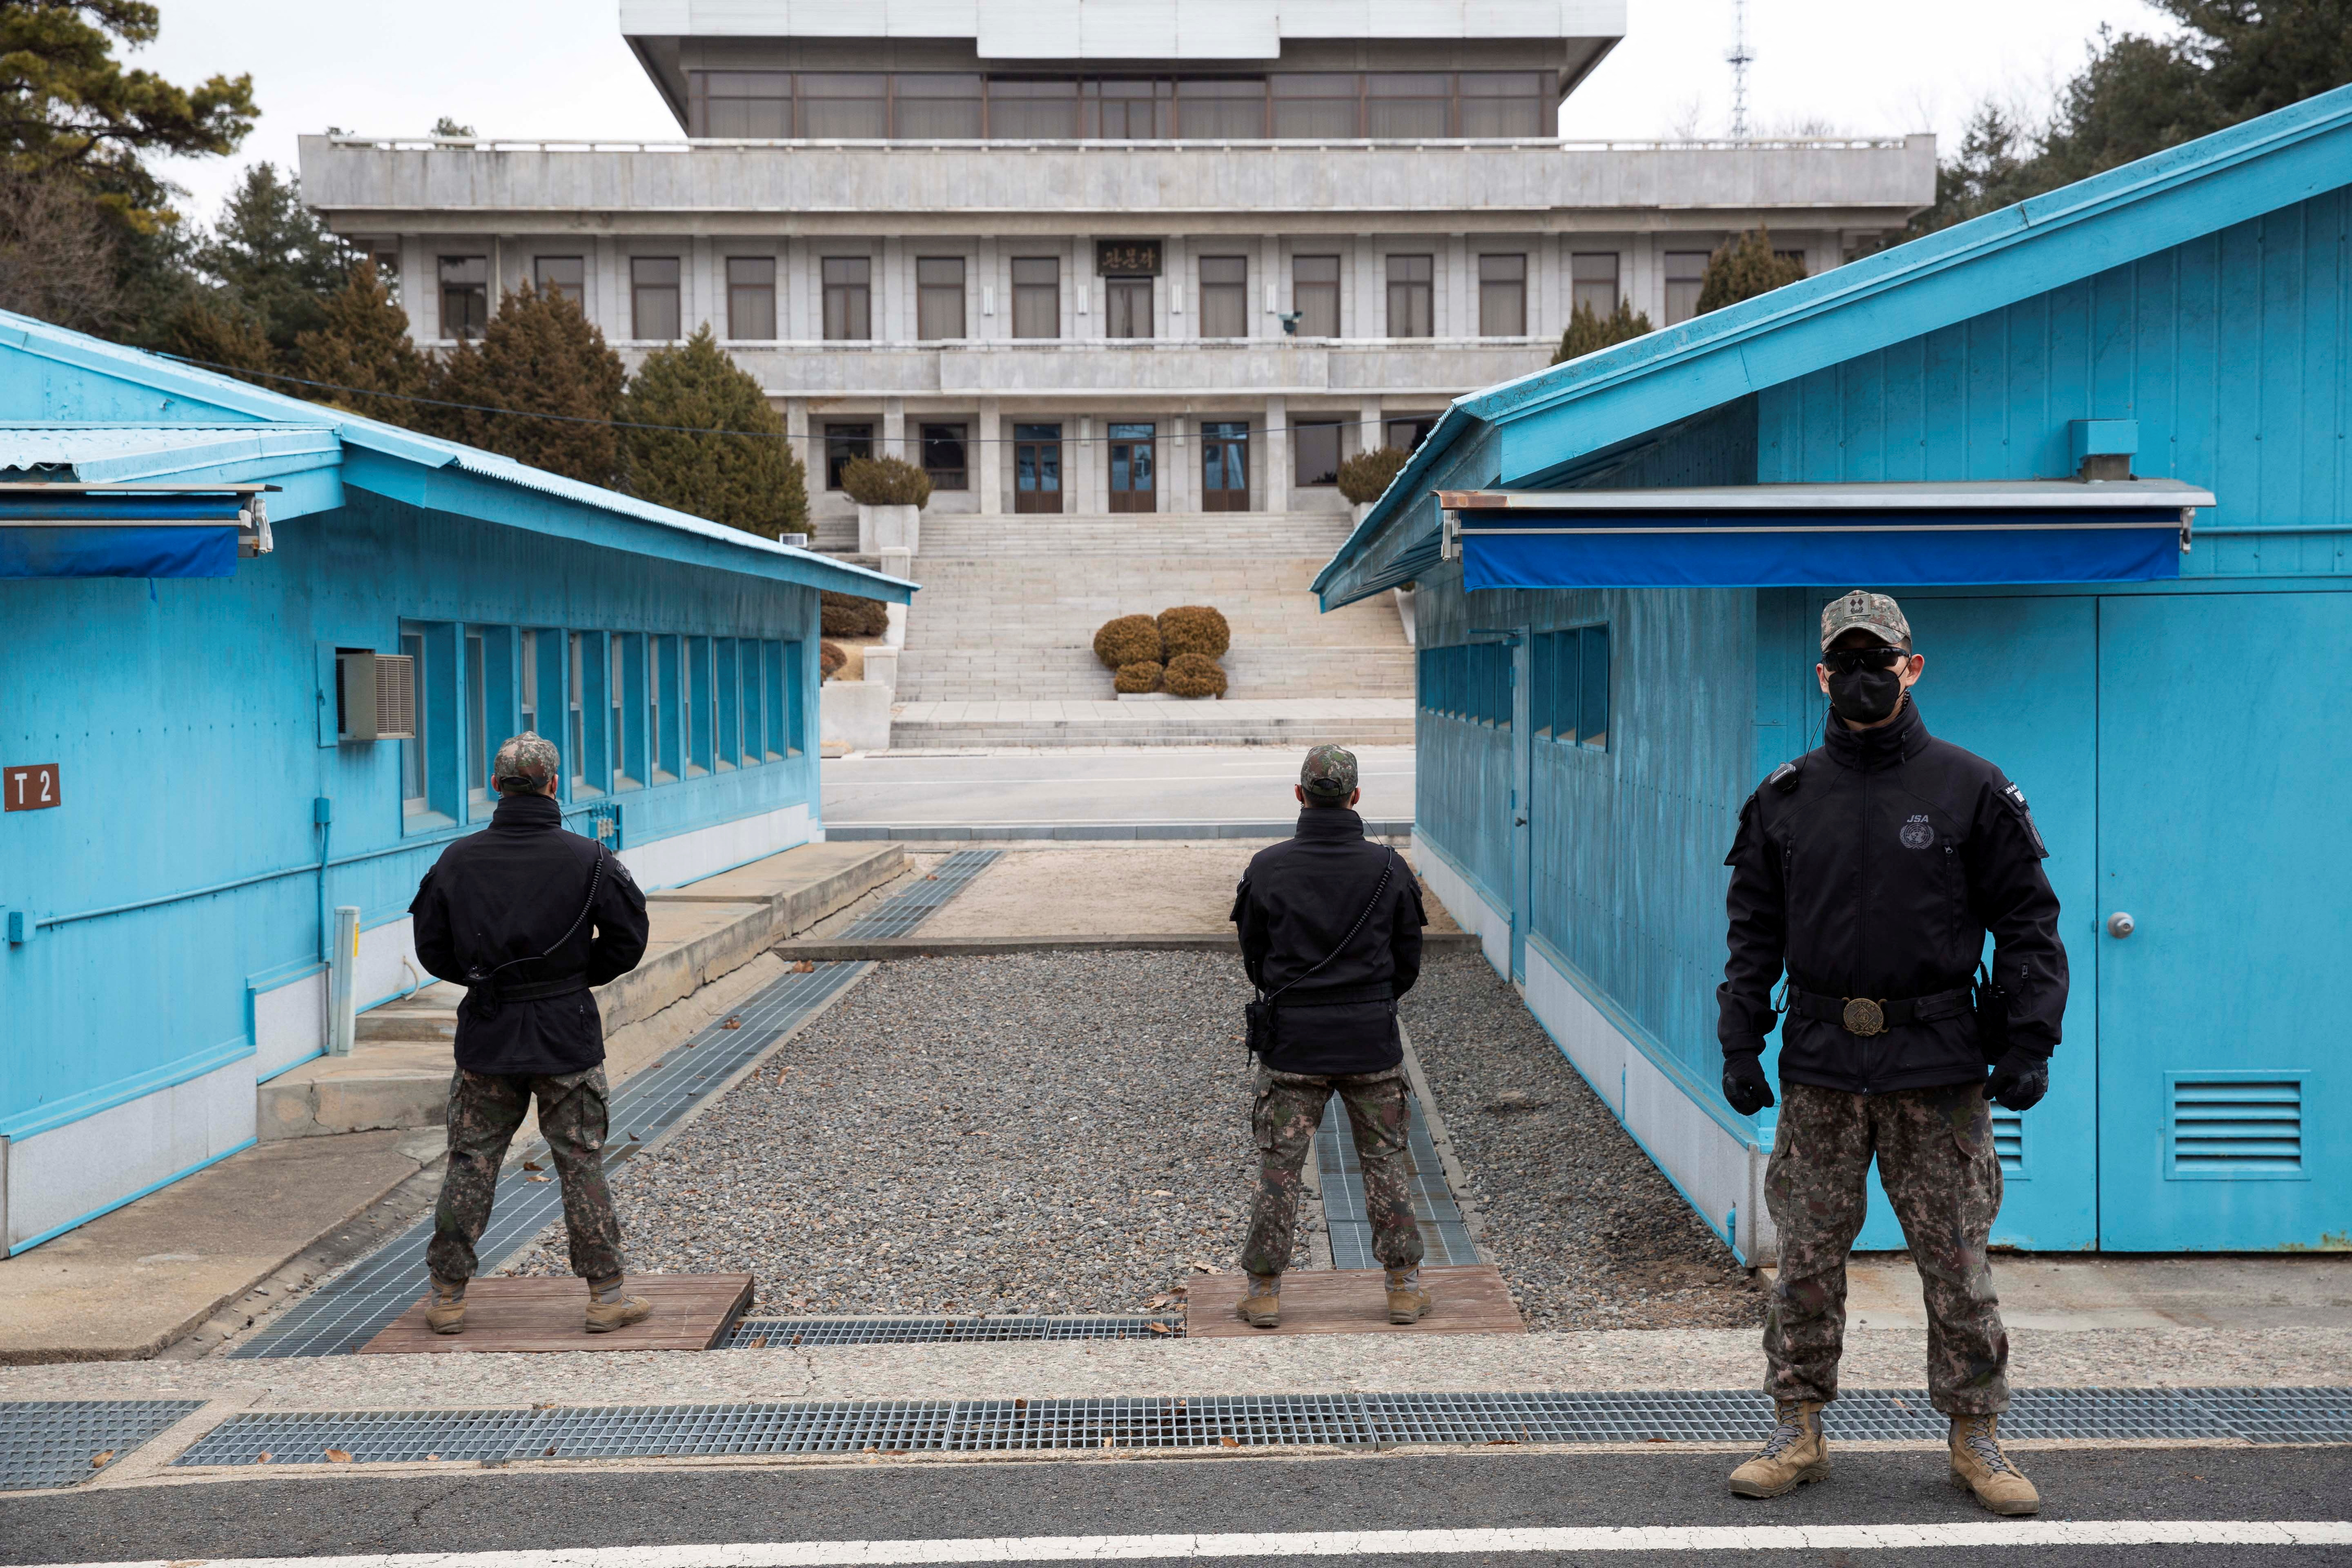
(2019,1080)
(1745,1085)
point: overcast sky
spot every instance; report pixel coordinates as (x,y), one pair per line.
(558,67)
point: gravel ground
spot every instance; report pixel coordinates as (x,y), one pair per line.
(1588,1233)
(1033,1133)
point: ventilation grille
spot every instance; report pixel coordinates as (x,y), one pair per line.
(396,697)
(2009,1141)
(2236,1128)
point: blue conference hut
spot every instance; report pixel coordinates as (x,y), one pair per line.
(2100,445)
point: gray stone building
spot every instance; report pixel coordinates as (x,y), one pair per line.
(1103,256)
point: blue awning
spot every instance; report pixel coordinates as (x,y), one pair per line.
(1889,535)
(90,531)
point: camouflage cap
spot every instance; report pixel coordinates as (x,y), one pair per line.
(1865,612)
(526,762)
(1329,774)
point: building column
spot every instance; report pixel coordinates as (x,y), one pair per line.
(1371,434)
(796,438)
(1278,455)
(894,427)
(1180,465)
(1173,323)
(988,451)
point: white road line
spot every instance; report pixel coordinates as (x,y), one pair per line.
(1346,1543)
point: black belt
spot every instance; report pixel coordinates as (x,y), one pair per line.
(1875,1015)
(1341,997)
(539,990)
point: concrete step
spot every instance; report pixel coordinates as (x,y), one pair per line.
(984,674)
(1349,723)
(397,1075)
(964,536)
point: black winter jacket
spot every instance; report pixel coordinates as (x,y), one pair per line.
(1294,903)
(510,891)
(1878,874)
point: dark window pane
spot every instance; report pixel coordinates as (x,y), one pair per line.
(939,296)
(937,104)
(1685,271)
(1593,280)
(564,274)
(1502,296)
(1592,705)
(1221,108)
(847,297)
(1036,297)
(1225,295)
(1407,104)
(843,443)
(1128,302)
(750,104)
(943,456)
(1317,105)
(1314,295)
(844,104)
(1314,446)
(1130,111)
(1409,295)
(654,298)
(752,297)
(1504,103)
(1409,431)
(1032,110)
(465,295)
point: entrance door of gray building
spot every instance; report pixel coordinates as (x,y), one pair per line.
(1133,472)
(1036,467)
(1224,465)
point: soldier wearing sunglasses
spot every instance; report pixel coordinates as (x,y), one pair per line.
(1867,875)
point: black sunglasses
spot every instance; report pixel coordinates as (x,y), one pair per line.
(1850,661)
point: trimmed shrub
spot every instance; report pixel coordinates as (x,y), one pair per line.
(1194,675)
(1133,678)
(1588,332)
(1745,267)
(847,615)
(829,659)
(1194,628)
(1363,477)
(886,481)
(1129,639)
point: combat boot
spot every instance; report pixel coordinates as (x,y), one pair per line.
(1796,1453)
(1978,1466)
(609,1309)
(445,1312)
(1262,1307)
(1408,1302)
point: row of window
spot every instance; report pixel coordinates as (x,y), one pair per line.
(971,106)
(944,451)
(1568,685)
(656,299)
(627,710)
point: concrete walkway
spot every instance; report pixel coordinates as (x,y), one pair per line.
(1161,788)
(1229,721)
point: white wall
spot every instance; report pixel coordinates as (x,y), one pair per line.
(70,1174)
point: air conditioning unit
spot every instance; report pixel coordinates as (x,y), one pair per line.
(375,696)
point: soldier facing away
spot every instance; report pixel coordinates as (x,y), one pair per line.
(1331,929)
(1870,870)
(527,916)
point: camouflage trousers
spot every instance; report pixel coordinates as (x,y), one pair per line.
(1937,1162)
(1289,1107)
(485,1109)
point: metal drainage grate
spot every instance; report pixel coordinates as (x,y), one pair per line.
(996,1425)
(756,1333)
(901,913)
(347,1311)
(52,1443)
(1445,1240)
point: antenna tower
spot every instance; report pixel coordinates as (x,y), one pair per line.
(1740,58)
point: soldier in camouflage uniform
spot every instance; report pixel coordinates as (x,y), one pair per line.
(527,916)
(1870,872)
(1330,930)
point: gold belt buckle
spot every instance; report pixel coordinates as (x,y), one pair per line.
(1864,1016)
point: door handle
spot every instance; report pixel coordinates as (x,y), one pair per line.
(2120,924)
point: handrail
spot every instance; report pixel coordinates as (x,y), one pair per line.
(944,144)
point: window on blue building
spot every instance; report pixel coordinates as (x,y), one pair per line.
(413,771)
(698,706)
(1593,688)
(755,701)
(794,736)
(668,761)
(628,692)
(479,747)
(527,659)
(726,714)
(1568,676)
(432,778)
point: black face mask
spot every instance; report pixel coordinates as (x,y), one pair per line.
(1865,696)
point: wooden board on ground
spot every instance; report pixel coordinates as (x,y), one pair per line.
(1470,1300)
(532,1315)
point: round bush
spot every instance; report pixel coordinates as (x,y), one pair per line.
(829,659)
(886,481)
(1130,640)
(1194,628)
(1363,477)
(1194,675)
(847,615)
(1142,677)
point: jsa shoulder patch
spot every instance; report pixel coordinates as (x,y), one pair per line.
(2016,799)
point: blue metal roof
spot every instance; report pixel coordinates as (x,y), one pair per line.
(1534,429)
(583,510)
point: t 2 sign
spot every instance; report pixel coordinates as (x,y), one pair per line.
(32,788)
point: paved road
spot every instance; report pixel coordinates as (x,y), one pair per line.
(1151,783)
(646,1509)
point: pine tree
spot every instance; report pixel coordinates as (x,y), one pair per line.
(363,348)
(218,334)
(1589,332)
(272,257)
(1744,267)
(751,481)
(537,356)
